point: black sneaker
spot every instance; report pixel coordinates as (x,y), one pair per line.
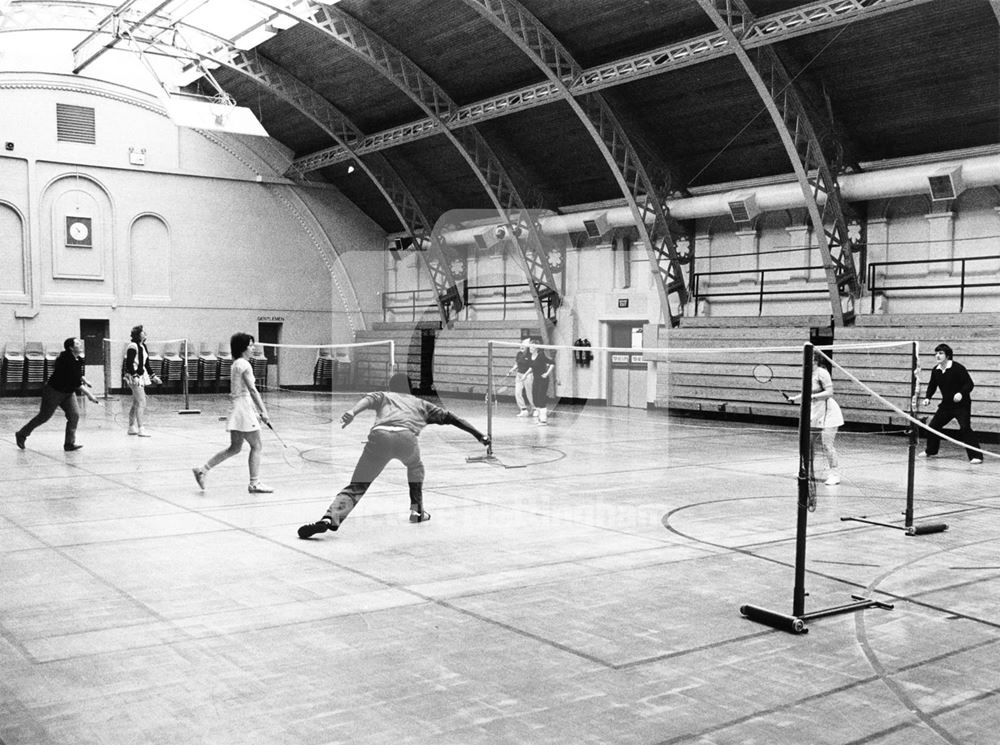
(71,448)
(308,531)
(421,518)
(19,439)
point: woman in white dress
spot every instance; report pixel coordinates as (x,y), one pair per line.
(244,418)
(825,415)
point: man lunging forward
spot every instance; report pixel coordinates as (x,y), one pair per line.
(399,419)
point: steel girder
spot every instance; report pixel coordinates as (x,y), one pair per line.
(284,85)
(469,143)
(629,170)
(817,16)
(805,151)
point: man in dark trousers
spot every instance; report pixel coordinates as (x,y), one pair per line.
(956,385)
(60,392)
(399,419)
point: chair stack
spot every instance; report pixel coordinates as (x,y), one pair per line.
(12,368)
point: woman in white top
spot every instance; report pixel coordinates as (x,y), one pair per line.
(825,415)
(244,418)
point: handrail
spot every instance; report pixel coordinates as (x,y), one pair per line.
(421,300)
(874,287)
(761,292)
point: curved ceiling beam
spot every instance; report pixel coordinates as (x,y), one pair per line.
(817,16)
(805,151)
(470,144)
(629,169)
(311,104)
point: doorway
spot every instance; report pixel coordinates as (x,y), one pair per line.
(269,332)
(93,332)
(627,371)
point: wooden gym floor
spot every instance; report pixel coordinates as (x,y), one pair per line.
(584,588)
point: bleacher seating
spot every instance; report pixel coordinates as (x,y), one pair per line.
(12,371)
(157,361)
(461,352)
(371,364)
(725,383)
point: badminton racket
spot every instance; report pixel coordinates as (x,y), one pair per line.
(764,374)
(271,427)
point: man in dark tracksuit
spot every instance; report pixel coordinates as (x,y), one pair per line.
(60,393)
(956,385)
(399,419)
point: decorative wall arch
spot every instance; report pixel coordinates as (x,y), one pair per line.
(14,258)
(84,261)
(149,251)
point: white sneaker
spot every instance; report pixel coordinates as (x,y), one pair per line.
(832,480)
(199,476)
(923,454)
(975,461)
(259,488)
(143,433)
(133,430)
(523,412)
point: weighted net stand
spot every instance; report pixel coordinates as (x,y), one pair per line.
(796,622)
(914,439)
(488,457)
(184,384)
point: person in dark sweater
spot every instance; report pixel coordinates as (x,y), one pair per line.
(399,419)
(955,384)
(60,392)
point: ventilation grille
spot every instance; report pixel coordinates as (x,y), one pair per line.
(75,124)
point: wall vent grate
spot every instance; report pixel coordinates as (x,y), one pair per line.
(75,124)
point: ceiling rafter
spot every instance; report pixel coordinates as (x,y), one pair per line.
(798,134)
(470,144)
(631,172)
(811,18)
(311,104)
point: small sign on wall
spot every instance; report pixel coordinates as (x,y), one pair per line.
(78,232)
(623,302)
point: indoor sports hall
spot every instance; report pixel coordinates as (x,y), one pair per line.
(499,371)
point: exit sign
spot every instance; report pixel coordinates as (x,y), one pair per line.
(623,302)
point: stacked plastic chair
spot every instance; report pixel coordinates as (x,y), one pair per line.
(34,366)
(12,372)
(208,369)
(323,370)
(173,366)
(225,365)
(259,364)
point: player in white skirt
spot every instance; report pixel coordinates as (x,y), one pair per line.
(244,418)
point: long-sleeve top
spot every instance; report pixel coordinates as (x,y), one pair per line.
(137,359)
(67,374)
(955,379)
(401,411)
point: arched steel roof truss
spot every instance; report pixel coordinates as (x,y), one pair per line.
(436,103)
(629,170)
(284,85)
(798,135)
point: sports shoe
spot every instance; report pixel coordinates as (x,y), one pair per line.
(143,433)
(19,439)
(199,476)
(975,461)
(71,448)
(133,430)
(523,412)
(421,518)
(832,480)
(308,531)
(923,454)
(260,488)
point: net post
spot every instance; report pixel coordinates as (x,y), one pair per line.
(914,435)
(805,436)
(488,457)
(184,382)
(106,344)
